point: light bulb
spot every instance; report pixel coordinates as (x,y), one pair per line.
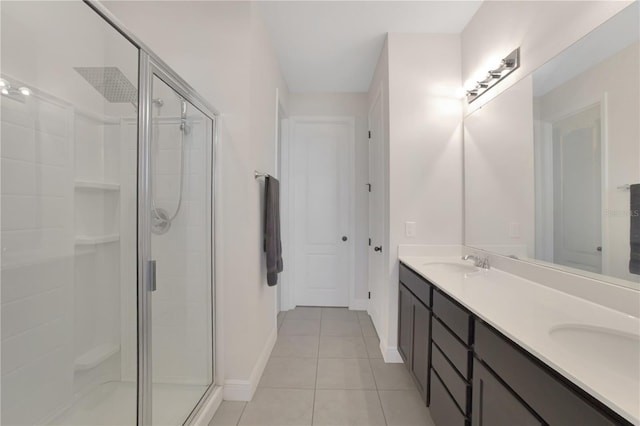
(5,91)
(470,84)
(4,83)
(460,93)
(493,63)
(25,91)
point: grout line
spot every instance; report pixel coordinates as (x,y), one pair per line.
(242,412)
(315,386)
(384,416)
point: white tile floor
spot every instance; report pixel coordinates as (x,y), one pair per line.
(326,369)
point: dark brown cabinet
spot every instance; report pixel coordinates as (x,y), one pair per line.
(451,354)
(414,327)
(548,395)
(494,404)
(405,325)
(472,375)
(421,323)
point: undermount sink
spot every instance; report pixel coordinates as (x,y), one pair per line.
(451,267)
(600,346)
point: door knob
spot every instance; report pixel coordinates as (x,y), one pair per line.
(344,238)
(378,248)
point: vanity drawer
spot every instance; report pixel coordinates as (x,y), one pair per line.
(444,410)
(454,316)
(416,284)
(549,395)
(459,389)
(455,351)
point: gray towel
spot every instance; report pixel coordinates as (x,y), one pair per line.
(272,242)
(634,235)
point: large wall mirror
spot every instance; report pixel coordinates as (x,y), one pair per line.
(550,161)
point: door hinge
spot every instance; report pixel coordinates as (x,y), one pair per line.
(369,134)
(369,186)
(369,242)
(369,295)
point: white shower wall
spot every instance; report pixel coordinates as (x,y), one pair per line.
(60,294)
(97,313)
(181,304)
(37,259)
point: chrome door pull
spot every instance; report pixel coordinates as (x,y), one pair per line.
(152,275)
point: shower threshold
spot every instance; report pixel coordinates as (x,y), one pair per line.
(114,404)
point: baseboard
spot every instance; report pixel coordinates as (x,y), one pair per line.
(243,390)
(359,305)
(208,408)
(390,354)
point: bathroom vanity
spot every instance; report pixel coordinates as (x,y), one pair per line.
(490,348)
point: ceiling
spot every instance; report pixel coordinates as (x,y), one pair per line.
(334,46)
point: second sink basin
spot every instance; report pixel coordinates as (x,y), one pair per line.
(451,267)
(618,350)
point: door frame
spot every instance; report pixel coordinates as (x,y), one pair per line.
(288,300)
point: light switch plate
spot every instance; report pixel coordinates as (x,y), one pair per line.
(410,229)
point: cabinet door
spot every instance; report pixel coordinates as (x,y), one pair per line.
(421,347)
(405,325)
(494,404)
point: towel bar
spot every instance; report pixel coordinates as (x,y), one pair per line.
(624,187)
(257,174)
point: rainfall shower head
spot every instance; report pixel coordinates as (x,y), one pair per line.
(111,83)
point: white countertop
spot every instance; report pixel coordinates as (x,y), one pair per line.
(537,318)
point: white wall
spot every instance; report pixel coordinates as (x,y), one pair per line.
(353,105)
(541,29)
(499,173)
(425,150)
(223,51)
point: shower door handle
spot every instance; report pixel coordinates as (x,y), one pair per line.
(152,275)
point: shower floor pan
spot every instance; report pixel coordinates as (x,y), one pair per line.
(114,404)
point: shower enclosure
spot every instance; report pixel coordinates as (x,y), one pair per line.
(107,272)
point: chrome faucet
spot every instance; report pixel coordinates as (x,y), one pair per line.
(480,262)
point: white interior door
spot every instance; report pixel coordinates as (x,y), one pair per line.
(376,209)
(321,165)
(577,191)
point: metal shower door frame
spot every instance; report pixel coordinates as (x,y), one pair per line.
(149,69)
(151,65)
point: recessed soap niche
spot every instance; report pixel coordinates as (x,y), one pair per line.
(97,204)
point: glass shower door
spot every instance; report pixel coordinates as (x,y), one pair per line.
(181,245)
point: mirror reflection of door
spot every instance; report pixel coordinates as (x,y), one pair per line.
(577,171)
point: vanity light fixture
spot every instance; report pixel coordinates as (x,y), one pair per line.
(508,65)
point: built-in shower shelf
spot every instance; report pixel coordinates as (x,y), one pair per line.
(102,239)
(95,356)
(98,186)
